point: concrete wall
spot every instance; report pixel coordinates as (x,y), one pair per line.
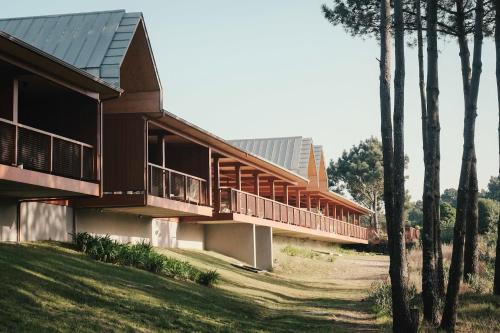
(234,240)
(39,221)
(191,236)
(264,247)
(128,228)
(8,212)
(125,228)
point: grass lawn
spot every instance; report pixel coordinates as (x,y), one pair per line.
(50,287)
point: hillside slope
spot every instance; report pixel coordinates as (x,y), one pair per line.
(50,287)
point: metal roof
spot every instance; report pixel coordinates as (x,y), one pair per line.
(318,151)
(95,42)
(291,153)
(13,47)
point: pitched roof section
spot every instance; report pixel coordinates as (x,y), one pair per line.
(95,42)
(291,153)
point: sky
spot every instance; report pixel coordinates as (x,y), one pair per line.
(250,69)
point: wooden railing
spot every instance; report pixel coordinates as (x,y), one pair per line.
(235,201)
(167,183)
(34,149)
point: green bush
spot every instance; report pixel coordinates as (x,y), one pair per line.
(293,251)
(380,294)
(142,256)
(488,211)
(208,278)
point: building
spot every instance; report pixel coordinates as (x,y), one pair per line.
(152,176)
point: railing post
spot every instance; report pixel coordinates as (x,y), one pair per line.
(51,167)
(81,161)
(16,144)
(150,191)
(199,192)
(169,184)
(163,178)
(185,188)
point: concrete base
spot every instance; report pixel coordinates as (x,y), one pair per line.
(245,242)
(128,228)
(38,221)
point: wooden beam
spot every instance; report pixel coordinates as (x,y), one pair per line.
(308,201)
(298,199)
(327,209)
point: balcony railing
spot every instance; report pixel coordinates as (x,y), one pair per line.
(235,201)
(37,150)
(167,183)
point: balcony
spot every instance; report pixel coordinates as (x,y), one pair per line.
(235,201)
(33,149)
(174,185)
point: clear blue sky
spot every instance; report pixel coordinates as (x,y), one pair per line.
(244,69)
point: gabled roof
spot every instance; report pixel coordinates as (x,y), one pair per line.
(291,153)
(318,151)
(23,54)
(95,42)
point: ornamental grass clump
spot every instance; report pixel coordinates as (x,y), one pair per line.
(142,256)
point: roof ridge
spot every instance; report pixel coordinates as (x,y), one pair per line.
(64,14)
(270,138)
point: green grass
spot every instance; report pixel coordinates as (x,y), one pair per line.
(48,287)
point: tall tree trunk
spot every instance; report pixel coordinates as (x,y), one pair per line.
(472,88)
(496,284)
(429,277)
(375,214)
(471,230)
(398,270)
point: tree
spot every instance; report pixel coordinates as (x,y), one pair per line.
(402,320)
(471,235)
(360,172)
(488,211)
(493,191)
(471,80)
(496,284)
(415,215)
(450,196)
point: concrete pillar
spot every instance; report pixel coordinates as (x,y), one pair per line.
(245,242)
(264,247)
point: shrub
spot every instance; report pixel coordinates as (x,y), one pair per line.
(380,294)
(293,251)
(142,256)
(208,278)
(478,284)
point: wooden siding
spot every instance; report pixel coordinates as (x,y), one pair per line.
(124,157)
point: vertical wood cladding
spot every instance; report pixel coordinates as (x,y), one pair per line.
(124,152)
(187,158)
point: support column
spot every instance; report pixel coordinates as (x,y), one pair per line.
(256,184)
(15,101)
(335,211)
(327,209)
(298,199)
(272,189)
(285,195)
(342,213)
(238,177)
(216,184)
(308,201)
(209,178)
